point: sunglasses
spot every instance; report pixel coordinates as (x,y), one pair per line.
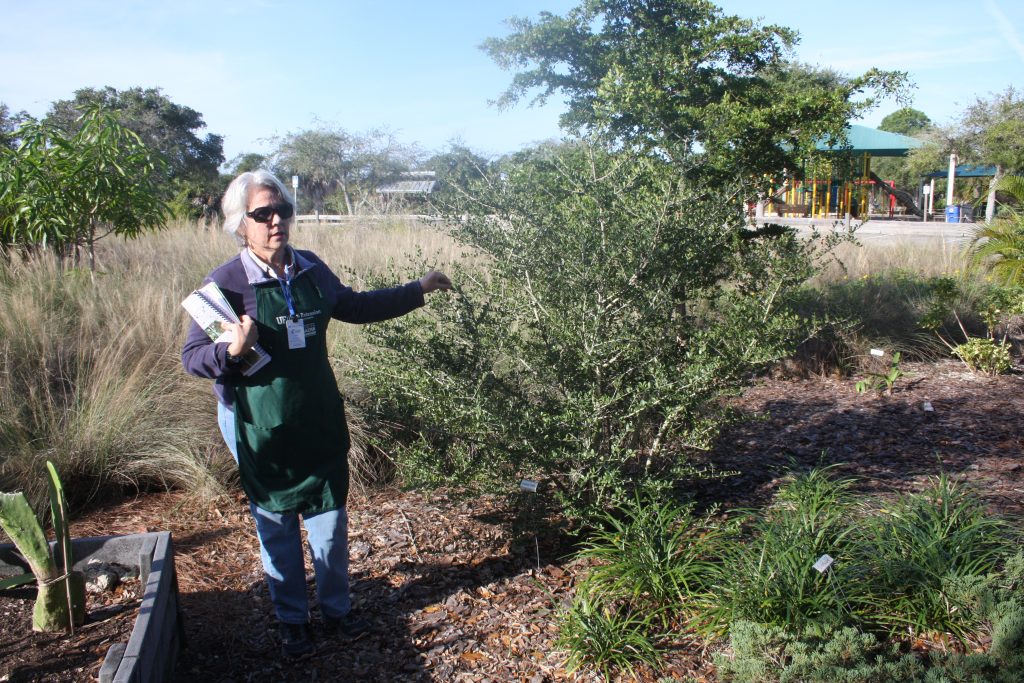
(264,214)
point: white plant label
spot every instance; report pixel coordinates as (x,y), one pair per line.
(528,485)
(823,563)
(877,352)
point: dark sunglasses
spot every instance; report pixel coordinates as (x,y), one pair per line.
(264,214)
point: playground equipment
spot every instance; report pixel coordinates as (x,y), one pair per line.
(841,182)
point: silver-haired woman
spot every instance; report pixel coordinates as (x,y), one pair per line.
(285,424)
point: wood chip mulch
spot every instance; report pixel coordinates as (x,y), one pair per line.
(454,593)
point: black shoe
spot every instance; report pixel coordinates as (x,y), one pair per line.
(350,625)
(295,640)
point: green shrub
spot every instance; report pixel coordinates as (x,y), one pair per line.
(613,307)
(995,308)
(765,654)
(984,355)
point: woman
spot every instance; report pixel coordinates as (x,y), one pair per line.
(285,424)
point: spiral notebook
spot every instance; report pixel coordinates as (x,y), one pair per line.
(209,309)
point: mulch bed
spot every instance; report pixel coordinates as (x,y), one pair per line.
(58,657)
(462,589)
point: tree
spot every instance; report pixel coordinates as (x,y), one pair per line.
(457,167)
(907,171)
(333,160)
(172,130)
(992,132)
(905,121)
(67,192)
(249,161)
(9,123)
(318,158)
(989,132)
(710,91)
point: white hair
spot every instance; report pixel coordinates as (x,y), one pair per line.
(236,198)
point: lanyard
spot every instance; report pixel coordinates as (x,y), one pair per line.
(286,288)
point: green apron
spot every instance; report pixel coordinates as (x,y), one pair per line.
(289,417)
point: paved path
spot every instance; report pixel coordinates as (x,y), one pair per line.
(881,231)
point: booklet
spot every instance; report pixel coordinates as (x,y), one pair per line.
(209,309)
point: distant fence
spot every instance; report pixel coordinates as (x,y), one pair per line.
(362,218)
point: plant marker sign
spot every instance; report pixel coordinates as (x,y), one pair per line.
(823,563)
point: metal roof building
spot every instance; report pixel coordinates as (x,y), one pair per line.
(412,182)
(877,143)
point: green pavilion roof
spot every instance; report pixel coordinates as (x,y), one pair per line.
(878,143)
(965,171)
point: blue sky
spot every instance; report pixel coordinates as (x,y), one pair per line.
(260,68)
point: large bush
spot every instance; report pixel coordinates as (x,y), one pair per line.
(609,308)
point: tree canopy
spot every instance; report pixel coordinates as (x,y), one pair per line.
(991,131)
(329,160)
(9,124)
(713,92)
(171,129)
(457,166)
(905,121)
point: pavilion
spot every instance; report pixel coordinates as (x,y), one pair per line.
(841,182)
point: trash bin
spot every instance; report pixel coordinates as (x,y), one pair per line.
(953,213)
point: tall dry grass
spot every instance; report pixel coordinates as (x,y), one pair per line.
(90,372)
(923,258)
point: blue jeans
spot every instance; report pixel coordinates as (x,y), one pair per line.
(281,550)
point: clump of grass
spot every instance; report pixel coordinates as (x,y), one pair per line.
(932,565)
(655,556)
(926,259)
(768,576)
(597,635)
(922,553)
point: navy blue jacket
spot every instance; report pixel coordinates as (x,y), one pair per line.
(203,358)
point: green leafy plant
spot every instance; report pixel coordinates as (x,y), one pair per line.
(60,603)
(984,355)
(604,637)
(769,577)
(999,246)
(882,381)
(654,555)
(919,550)
(608,309)
(68,191)
(761,653)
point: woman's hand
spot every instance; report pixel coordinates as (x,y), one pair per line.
(433,281)
(245,336)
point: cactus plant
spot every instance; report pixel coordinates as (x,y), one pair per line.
(60,603)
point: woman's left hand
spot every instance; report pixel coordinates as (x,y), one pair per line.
(433,281)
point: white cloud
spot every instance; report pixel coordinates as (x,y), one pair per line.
(980,52)
(1005,28)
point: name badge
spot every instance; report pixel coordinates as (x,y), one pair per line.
(296,334)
